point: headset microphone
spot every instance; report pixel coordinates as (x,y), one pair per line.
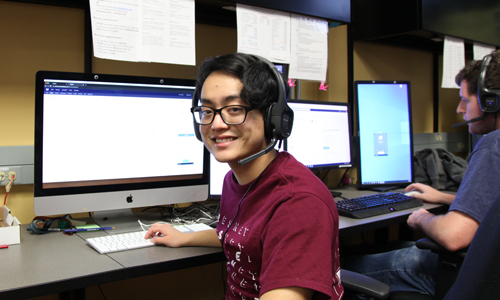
(470,121)
(260,153)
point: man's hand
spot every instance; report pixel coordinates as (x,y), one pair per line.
(418,217)
(453,230)
(430,194)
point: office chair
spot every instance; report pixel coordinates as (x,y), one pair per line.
(355,283)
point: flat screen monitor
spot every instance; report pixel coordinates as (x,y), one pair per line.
(104,143)
(385,148)
(321,135)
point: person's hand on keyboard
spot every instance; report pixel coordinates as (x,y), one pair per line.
(430,194)
(166,234)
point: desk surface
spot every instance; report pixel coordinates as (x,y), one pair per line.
(52,263)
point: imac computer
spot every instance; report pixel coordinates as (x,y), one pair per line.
(321,136)
(385,148)
(109,143)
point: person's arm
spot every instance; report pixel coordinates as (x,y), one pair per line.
(453,230)
(169,236)
(288,293)
(430,194)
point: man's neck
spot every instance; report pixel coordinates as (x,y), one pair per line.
(250,171)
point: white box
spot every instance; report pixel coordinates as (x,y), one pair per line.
(10,229)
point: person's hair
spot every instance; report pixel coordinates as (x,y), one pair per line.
(470,73)
(260,85)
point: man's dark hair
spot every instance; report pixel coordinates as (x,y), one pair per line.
(470,73)
(260,85)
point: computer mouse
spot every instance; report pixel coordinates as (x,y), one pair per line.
(412,193)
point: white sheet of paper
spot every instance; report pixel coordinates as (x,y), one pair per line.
(309,50)
(480,50)
(453,61)
(144,30)
(263,32)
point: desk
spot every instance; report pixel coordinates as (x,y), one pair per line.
(54,263)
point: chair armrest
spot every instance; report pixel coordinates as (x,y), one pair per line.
(360,283)
(430,244)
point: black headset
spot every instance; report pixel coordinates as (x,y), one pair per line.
(278,118)
(489,100)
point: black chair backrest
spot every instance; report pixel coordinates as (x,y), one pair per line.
(479,277)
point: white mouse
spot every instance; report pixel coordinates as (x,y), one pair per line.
(412,193)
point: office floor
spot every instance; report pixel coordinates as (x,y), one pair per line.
(199,283)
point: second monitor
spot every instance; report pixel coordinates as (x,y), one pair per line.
(321,136)
(320,139)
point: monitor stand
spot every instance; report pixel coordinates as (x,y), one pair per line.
(123,220)
(383,188)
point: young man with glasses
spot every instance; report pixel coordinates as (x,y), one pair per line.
(278,222)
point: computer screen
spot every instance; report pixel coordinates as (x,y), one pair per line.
(385,148)
(321,136)
(282,68)
(218,171)
(108,142)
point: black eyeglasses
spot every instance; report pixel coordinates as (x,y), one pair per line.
(231,115)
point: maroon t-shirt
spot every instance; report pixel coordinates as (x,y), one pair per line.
(285,234)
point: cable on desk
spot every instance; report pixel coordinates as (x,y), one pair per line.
(39,223)
(195,213)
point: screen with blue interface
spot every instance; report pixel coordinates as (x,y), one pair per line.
(385,134)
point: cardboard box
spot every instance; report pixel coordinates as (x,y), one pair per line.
(10,229)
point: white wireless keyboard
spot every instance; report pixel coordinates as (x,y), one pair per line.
(133,240)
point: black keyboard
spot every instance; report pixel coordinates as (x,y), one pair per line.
(377,204)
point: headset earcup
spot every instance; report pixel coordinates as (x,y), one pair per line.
(278,121)
(268,123)
(489,101)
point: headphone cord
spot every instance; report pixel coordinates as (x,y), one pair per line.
(241,200)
